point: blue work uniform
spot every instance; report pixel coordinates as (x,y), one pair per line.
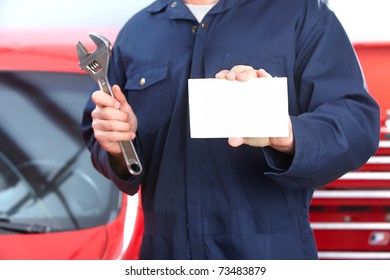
(203,199)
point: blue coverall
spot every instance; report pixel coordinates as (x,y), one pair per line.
(202,198)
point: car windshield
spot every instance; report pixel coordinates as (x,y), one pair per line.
(46,176)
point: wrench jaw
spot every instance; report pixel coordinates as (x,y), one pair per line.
(101,42)
(95,63)
(84,59)
(82,51)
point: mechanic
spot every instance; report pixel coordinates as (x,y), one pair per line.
(237,198)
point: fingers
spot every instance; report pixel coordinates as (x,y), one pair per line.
(99,124)
(242,73)
(239,72)
(107,108)
(221,74)
(109,141)
(111,124)
(113,120)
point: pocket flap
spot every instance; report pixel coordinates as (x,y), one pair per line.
(146,77)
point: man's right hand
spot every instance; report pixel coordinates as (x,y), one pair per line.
(113,120)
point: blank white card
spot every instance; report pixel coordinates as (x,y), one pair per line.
(220,108)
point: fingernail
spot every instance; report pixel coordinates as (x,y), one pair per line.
(117,105)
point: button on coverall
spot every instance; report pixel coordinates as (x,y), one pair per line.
(203,199)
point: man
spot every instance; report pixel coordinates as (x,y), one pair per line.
(237,198)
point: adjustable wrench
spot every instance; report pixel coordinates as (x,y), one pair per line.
(96,65)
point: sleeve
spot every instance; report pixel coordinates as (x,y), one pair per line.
(338,124)
(100,157)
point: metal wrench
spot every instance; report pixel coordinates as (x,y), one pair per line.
(96,65)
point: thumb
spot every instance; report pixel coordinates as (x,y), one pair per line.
(124,106)
(121,98)
(257,141)
(250,141)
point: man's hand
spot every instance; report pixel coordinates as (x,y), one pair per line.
(113,120)
(244,73)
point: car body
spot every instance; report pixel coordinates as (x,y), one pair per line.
(47,181)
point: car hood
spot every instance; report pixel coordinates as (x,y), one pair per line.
(25,49)
(89,244)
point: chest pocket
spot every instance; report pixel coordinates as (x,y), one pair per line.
(273,65)
(148,94)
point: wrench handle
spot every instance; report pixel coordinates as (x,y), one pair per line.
(127,147)
(131,158)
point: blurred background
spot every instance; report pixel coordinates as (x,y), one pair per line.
(54,22)
(70,13)
(364,20)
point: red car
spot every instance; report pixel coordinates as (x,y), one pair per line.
(53,203)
